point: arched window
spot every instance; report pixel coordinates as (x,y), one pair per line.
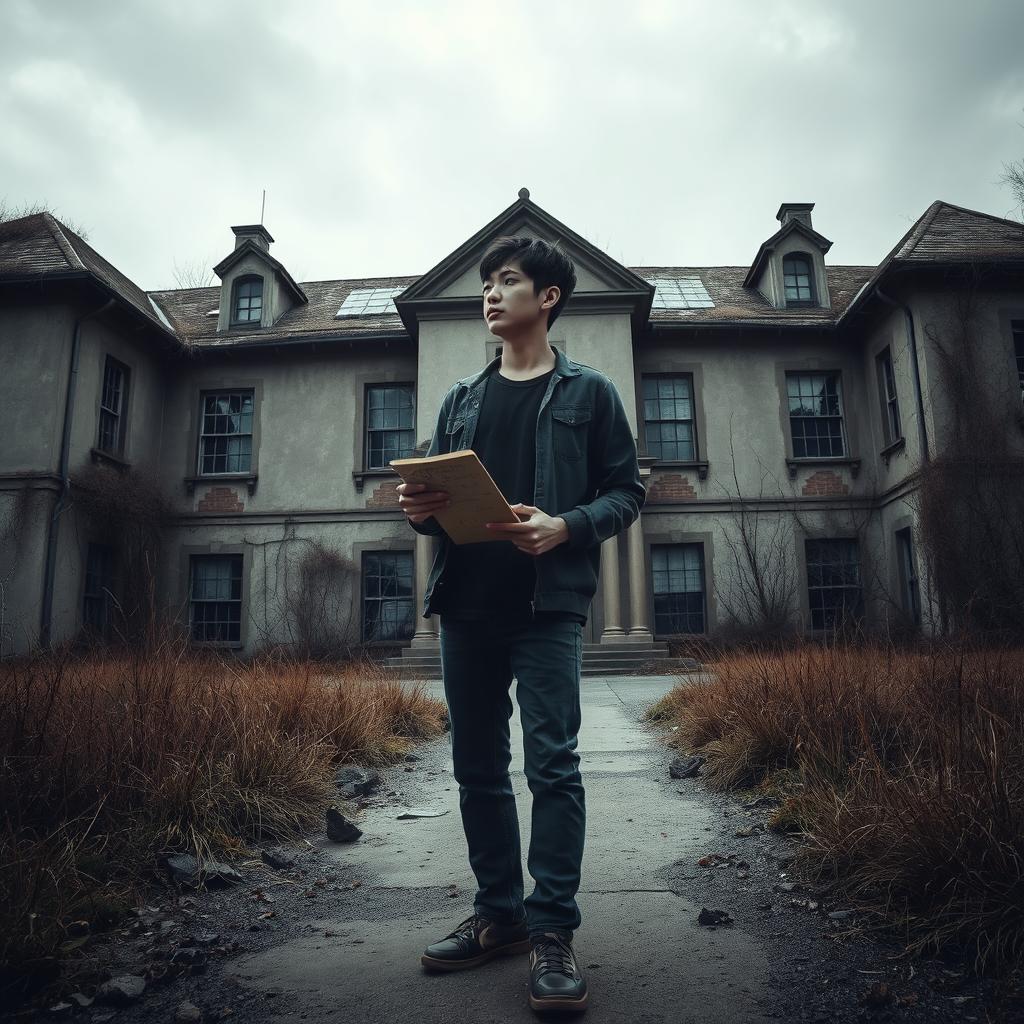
(247,301)
(798,278)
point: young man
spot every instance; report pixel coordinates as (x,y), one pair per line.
(554,436)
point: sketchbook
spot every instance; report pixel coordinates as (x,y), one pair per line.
(475,497)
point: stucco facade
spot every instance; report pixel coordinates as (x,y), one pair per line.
(261,429)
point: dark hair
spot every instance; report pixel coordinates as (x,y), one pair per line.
(544,264)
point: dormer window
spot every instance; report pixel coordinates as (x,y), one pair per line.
(798,278)
(247,301)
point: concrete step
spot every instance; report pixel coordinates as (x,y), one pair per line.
(596,662)
(589,650)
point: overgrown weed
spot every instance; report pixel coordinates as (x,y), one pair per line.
(910,769)
(110,760)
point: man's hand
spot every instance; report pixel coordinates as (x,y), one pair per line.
(418,503)
(537,534)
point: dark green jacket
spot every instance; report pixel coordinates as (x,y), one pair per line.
(586,473)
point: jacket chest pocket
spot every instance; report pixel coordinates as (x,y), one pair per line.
(454,429)
(569,429)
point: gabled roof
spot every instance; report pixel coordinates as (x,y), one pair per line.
(40,245)
(769,245)
(947,234)
(250,247)
(525,214)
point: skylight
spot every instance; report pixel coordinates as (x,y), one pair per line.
(680,293)
(369,302)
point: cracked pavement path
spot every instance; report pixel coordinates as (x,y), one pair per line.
(645,956)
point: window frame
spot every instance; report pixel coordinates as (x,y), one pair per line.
(812,288)
(120,414)
(654,549)
(191,556)
(236,285)
(393,599)
(688,377)
(841,404)
(368,430)
(892,420)
(908,575)
(204,393)
(105,594)
(858,614)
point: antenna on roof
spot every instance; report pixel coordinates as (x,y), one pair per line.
(263,206)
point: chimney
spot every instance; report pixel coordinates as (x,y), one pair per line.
(255,233)
(795,211)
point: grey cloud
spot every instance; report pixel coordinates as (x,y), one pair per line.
(386,136)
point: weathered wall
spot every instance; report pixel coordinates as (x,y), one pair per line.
(35,347)
(307,428)
(272,552)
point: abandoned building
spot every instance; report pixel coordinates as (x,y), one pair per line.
(783,410)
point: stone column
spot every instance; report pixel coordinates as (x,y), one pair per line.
(427,630)
(613,631)
(639,622)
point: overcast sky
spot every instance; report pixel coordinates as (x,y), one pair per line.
(387,133)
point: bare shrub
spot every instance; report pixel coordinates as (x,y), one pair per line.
(970,500)
(756,584)
(758,578)
(310,600)
(324,603)
(13,211)
(12,537)
(1013,178)
(127,509)
(194,274)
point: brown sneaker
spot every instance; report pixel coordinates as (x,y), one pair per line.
(475,941)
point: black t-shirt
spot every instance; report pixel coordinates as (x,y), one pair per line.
(496,578)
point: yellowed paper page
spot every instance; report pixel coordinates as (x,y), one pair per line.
(476,499)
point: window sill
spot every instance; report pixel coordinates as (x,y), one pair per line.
(701,465)
(360,475)
(213,478)
(220,645)
(890,449)
(99,456)
(794,464)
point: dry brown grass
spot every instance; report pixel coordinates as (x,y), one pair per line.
(903,772)
(109,760)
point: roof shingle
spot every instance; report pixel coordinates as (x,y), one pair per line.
(951,234)
(39,245)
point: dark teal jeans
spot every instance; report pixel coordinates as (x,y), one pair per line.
(478,661)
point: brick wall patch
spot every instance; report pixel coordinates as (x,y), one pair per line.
(220,499)
(824,483)
(668,487)
(384,495)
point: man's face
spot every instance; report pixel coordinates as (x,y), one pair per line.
(510,306)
